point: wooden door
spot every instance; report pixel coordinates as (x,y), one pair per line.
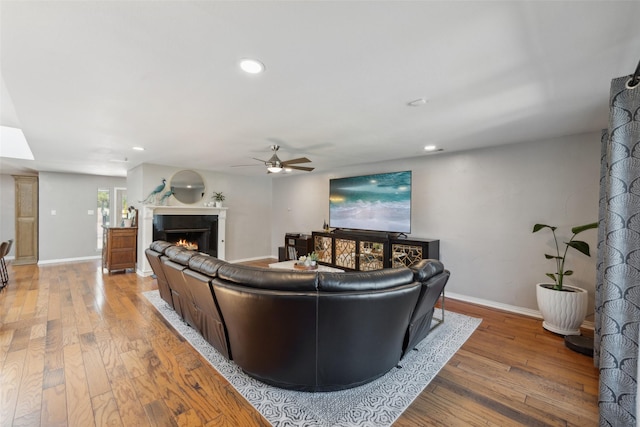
(26,244)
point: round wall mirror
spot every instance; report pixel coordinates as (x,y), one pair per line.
(187,187)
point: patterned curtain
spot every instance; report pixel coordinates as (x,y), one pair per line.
(617,320)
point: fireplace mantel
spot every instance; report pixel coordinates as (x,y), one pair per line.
(150,211)
(145,228)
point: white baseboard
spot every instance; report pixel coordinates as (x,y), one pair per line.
(144,273)
(64,260)
(506,307)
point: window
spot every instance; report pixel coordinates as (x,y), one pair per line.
(102,213)
(122,205)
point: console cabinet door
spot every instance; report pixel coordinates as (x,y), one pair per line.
(323,246)
(371,255)
(408,252)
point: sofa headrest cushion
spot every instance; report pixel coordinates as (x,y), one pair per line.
(160,246)
(206,264)
(364,281)
(268,278)
(426,268)
(179,254)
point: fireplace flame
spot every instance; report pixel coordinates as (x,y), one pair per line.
(192,246)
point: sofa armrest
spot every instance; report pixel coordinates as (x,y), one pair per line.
(160,246)
(420,324)
(425,269)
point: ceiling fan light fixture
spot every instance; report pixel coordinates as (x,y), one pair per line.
(417,102)
(251,66)
(274,169)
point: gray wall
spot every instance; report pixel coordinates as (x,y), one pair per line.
(248,233)
(482,205)
(72,232)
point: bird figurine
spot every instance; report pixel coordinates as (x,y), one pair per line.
(166,196)
(154,194)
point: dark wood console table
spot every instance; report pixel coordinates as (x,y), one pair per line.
(353,250)
(119,246)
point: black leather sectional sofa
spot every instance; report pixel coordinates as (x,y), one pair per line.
(311,331)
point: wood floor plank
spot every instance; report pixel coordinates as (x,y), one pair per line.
(30,395)
(28,420)
(54,404)
(97,378)
(159,414)
(53,307)
(29,306)
(111,360)
(11,376)
(189,419)
(54,358)
(96,352)
(131,411)
(6,336)
(79,410)
(105,410)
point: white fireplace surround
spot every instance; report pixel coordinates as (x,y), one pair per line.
(145,229)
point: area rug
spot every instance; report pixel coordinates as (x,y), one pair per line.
(378,403)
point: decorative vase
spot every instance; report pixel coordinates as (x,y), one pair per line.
(128,222)
(563,311)
(218,204)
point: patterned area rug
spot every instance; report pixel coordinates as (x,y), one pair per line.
(378,403)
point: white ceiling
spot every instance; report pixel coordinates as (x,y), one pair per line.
(88,80)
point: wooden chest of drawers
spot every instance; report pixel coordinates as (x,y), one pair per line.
(119,248)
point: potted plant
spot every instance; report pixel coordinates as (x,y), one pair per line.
(312,258)
(309,260)
(218,197)
(563,306)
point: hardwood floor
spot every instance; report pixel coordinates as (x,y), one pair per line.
(80,348)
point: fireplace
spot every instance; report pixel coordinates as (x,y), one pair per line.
(197,232)
(216,233)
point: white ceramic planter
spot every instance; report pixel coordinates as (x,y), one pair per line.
(563,312)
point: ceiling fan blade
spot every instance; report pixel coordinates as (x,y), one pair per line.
(300,168)
(260,160)
(298,160)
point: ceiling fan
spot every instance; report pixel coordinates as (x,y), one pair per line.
(275,165)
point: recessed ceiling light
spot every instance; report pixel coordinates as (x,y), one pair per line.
(251,66)
(417,102)
(138,148)
(430,148)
